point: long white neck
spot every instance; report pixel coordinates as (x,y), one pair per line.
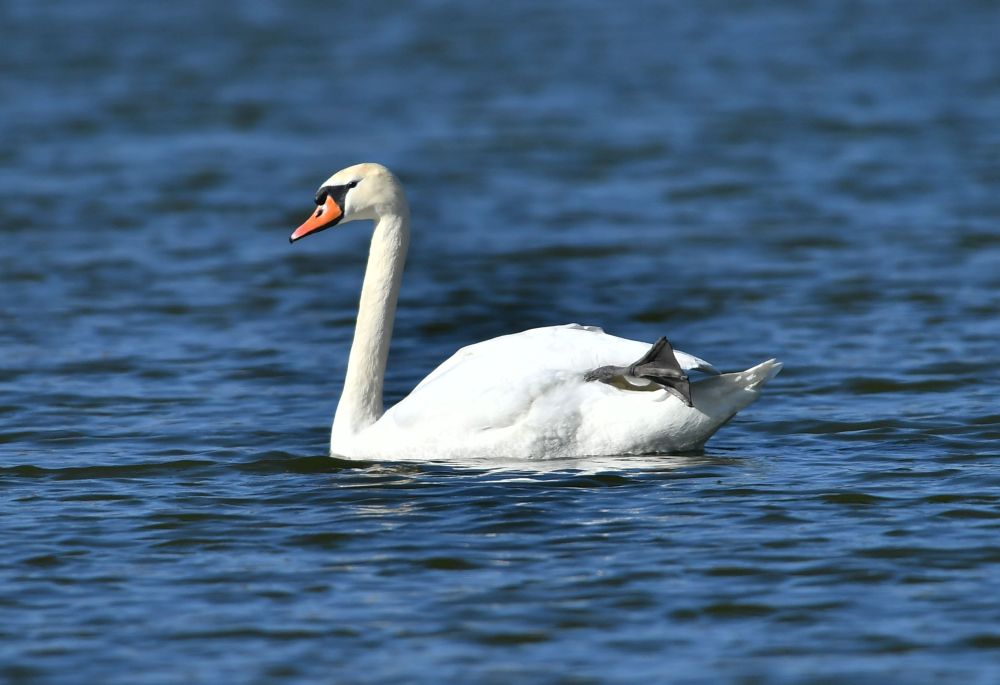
(361,401)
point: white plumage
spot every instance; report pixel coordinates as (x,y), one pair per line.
(517,396)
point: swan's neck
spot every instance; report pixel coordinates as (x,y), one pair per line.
(361,401)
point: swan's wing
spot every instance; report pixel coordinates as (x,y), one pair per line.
(559,334)
(494,383)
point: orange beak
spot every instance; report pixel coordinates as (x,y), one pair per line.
(325,216)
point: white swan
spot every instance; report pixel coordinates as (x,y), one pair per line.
(558,392)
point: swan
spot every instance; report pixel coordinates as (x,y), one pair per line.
(559,392)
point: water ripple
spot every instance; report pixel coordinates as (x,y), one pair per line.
(803,180)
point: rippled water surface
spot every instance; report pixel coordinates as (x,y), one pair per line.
(814,181)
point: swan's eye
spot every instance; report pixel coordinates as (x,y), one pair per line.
(335,193)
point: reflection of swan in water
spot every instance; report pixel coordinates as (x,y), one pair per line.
(556,393)
(633,463)
(520,469)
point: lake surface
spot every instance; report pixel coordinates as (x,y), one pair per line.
(814,181)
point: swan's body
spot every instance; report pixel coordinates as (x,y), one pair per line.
(516,396)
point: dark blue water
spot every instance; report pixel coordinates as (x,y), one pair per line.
(809,180)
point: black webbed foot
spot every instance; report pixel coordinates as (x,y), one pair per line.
(659,365)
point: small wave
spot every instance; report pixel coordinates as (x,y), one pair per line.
(100,472)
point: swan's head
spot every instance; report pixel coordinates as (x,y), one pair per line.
(362,191)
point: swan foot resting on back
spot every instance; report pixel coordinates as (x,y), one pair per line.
(557,392)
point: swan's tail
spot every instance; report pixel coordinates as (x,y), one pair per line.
(734,389)
(756,376)
(717,399)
